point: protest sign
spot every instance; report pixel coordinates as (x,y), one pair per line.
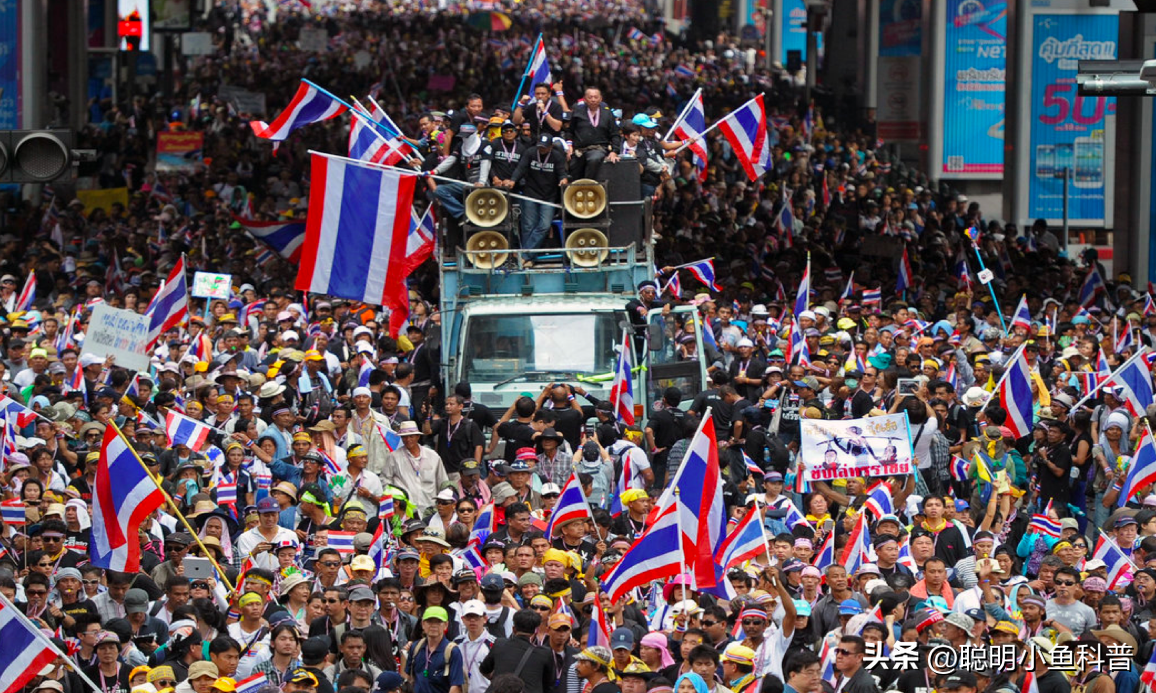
(179,151)
(209,285)
(122,334)
(874,446)
(102,199)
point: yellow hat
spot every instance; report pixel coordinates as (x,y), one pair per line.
(314,355)
(303,437)
(632,495)
(225,684)
(543,600)
(142,669)
(738,654)
(555,555)
(161,673)
(227,317)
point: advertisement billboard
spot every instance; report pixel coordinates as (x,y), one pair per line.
(9,65)
(975,69)
(899,73)
(794,28)
(1066,130)
(133,25)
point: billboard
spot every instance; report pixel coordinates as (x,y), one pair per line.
(133,25)
(899,73)
(1065,130)
(975,69)
(9,65)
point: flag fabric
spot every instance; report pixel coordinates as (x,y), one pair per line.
(26,651)
(785,223)
(656,555)
(849,290)
(1133,381)
(284,237)
(1114,557)
(803,297)
(905,558)
(1126,339)
(684,70)
(903,281)
(538,71)
(342,542)
(599,635)
(825,555)
(1023,315)
(635,34)
(958,468)
(1092,287)
(421,239)
(182,430)
(1102,365)
(703,270)
(311,104)
(1148,676)
(696,491)
(746,130)
(571,505)
(12,410)
(872,297)
(745,541)
(879,500)
(1015,394)
(858,548)
(390,437)
(794,517)
(752,467)
(622,392)
(364,372)
(1149,306)
(690,127)
(374,138)
(355,240)
(27,295)
(983,467)
(484,525)
(170,305)
(124,494)
(1143,469)
(385,507)
(12,511)
(251,684)
(1043,524)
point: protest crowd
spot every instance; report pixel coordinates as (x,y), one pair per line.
(324,513)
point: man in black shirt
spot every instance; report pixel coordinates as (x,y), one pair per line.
(456,437)
(863,401)
(544,116)
(501,157)
(541,171)
(663,430)
(596,136)
(449,165)
(568,416)
(746,370)
(519,433)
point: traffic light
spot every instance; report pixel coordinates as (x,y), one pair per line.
(35,156)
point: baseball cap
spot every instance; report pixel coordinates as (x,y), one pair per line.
(959,679)
(435,613)
(474,607)
(622,638)
(850,607)
(136,601)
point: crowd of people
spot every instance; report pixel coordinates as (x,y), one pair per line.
(316,584)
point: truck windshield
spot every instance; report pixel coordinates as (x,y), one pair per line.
(502,346)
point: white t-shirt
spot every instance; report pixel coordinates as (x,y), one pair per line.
(922,445)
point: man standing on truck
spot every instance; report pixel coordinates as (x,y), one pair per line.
(541,171)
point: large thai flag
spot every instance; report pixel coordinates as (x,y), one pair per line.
(903,281)
(181,430)
(311,104)
(622,392)
(1092,287)
(689,128)
(26,651)
(119,507)
(1114,557)
(656,555)
(744,542)
(375,138)
(803,297)
(170,305)
(858,549)
(1135,380)
(879,500)
(703,270)
(746,130)
(28,294)
(1023,315)
(356,234)
(572,505)
(12,410)
(538,71)
(1143,470)
(1015,395)
(285,237)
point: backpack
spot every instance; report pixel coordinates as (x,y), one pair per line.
(421,644)
(497,627)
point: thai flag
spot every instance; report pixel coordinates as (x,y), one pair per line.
(538,71)
(355,243)
(1090,381)
(879,500)
(572,505)
(311,104)
(181,430)
(12,511)
(827,656)
(746,130)
(708,337)
(654,556)
(684,70)
(950,376)
(599,635)
(1136,381)
(251,684)
(1126,340)
(785,222)
(170,305)
(794,517)
(10,409)
(385,507)
(696,492)
(905,558)
(690,127)
(1023,315)
(1102,365)
(958,468)
(331,465)
(622,392)
(285,237)
(671,91)
(627,480)
(825,555)
(1149,307)
(751,466)
(227,490)
(1015,394)
(77,382)
(473,557)
(804,294)
(484,525)
(635,34)
(422,238)
(1114,557)
(746,540)
(1148,676)
(28,294)
(1092,287)
(390,437)
(904,281)
(961,271)
(849,290)
(201,347)
(364,372)
(703,270)
(341,542)
(1143,470)
(26,651)
(674,286)
(858,549)
(119,508)
(1044,525)
(374,137)
(872,297)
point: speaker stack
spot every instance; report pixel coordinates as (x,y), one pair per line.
(487,227)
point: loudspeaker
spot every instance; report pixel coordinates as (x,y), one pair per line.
(629,223)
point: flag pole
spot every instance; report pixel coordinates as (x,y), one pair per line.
(1143,349)
(1007,369)
(688,264)
(763,527)
(994,300)
(526,73)
(682,115)
(702,135)
(41,637)
(173,507)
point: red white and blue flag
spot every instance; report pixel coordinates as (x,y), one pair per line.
(1143,470)
(182,430)
(879,500)
(1149,306)
(803,297)
(364,371)
(905,558)
(1126,339)
(12,512)
(484,525)
(26,651)
(622,392)
(1092,287)
(571,505)
(1015,394)
(284,237)
(599,635)
(849,290)
(1134,382)
(357,233)
(375,138)
(689,128)
(872,297)
(1023,315)
(656,555)
(746,130)
(703,270)
(28,294)
(1148,676)
(744,542)
(342,542)
(390,437)
(904,281)
(421,239)
(11,410)
(119,508)
(1045,525)
(825,555)
(858,549)
(252,684)
(538,71)
(696,492)
(170,304)
(311,104)
(1114,557)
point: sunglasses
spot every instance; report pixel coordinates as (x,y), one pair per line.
(90,582)
(541,608)
(199,586)
(331,564)
(462,511)
(1065,583)
(845,652)
(710,624)
(754,622)
(405,599)
(331,601)
(36,593)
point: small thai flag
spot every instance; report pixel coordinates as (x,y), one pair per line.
(752,467)
(227,491)
(683,70)
(872,297)
(12,513)
(331,465)
(671,91)
(635,34)
(390,437)
(958,468)
(364,372)
(251,684)
(1044,525)
(385,509)
(341,542)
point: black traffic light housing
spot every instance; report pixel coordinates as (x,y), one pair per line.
(35,156)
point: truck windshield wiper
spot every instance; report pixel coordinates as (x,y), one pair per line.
(528,374)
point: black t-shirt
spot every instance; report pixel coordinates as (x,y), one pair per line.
(503,158)
(540,174)
(1054,487)
(861,404)
(84,606)
(110,684)
(537,120)
(568,422)
(456,443)
(516,434)
(667,427)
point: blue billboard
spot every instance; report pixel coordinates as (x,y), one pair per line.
(975,67)
(900,28)
(9,65)
(1066,130)
(794,28)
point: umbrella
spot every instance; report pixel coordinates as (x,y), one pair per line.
(489,21)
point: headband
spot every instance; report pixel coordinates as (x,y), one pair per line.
(932,618)
(752,611)
(250,597)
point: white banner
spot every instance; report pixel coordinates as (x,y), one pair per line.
(874,446)
(122,334)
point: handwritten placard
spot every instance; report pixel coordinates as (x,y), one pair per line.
(122,334)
